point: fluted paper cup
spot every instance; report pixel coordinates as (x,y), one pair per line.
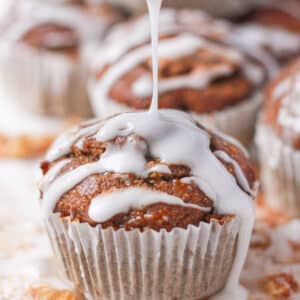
(46,83)
(280,171)
(190,263)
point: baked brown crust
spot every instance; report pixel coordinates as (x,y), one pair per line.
(272,16)
(38,38)
(75,203)
(274,103)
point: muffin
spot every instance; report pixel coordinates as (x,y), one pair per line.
(132,214)
(40,56)
(274,27)
(278,141)
(217,84)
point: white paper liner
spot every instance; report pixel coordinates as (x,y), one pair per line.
(280,171)
(46,83)
(190,263)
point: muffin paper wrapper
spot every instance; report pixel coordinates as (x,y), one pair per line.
(45,82)
(190,263)
(280,171)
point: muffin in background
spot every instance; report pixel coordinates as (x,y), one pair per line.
(229,8)
(273,26)
(40,56)
(126,187)
(278,141)
(217,84)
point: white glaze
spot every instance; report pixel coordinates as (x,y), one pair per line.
(101,209)
(154,9)
(242,180)
(171,22)
(31,14)
(278,40)
(289,113)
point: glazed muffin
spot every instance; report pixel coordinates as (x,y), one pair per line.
(278,141)
(217,84)
(126,186)
(40,60)
(274,27)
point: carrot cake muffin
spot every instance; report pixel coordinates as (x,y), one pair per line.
(127,186)
(278,141)
(274,27)
(217,84)
(40,60)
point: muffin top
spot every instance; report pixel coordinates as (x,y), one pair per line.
(282,105)
(274,27)
(53,27)
(146,170)
(196,74)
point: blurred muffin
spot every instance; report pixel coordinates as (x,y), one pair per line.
(23,134)
(127,187)
(40,60)
(274,27)
(229,8)
(278,141)
(216,84)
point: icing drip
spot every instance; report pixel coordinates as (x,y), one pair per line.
(154,9)
(196,80)
(123,200)
(278,40)
(243,182)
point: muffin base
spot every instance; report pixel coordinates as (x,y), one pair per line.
(191,263)
(46,83)
(280,171)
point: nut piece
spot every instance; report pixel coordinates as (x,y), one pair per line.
(281,285)
(44,292)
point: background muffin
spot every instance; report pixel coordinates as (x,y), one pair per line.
(274,27)
(278,141)
(105,180)
(40,56)
(216,84)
